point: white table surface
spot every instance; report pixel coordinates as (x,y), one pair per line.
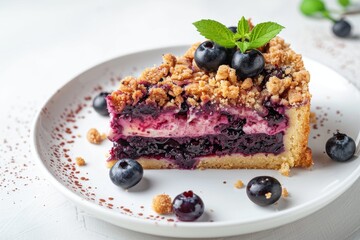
(43,44)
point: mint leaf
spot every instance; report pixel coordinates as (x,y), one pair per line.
(243,27)
(216,32)
(243,46)
(262,33)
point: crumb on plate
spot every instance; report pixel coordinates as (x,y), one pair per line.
(93,136)
(162,204)
(284,169)
(80,161)
(312,117)
(239,184)
(284,193)
(111,163)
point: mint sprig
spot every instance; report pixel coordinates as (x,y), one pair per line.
(244,38)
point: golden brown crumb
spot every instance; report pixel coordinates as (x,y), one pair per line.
(312,117)
(93,136)
(80,161)
(162,204)
(110,163)
(285,169)
(268,195)
(239,184)
(284,193)
(164,85)
(247,84)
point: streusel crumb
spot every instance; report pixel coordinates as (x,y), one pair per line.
(110,163)
(284,193)
(93,136)
(312,117)
(80,161)
(268,195)
(162,204)
(239,184)
(285,169)
(284,81)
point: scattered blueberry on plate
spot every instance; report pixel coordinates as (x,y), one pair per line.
(188,206)
(126,173)
(99,104)
(264,190)
(340,147)
(341,28)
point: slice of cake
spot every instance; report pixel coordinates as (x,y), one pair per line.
(178,115)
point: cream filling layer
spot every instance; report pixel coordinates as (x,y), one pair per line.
(194,124)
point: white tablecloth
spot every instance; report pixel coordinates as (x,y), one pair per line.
(43,44)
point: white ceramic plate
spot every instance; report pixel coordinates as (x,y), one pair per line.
(59,136)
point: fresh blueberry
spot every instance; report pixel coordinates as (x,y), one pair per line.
(209,56)
(233,29)
(248,64)
(264,190)
(126,173)
(340,147)
(341,28)
(188,206)
(99,104)
(230,54)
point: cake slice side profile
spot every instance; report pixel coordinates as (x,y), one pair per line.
(181,115)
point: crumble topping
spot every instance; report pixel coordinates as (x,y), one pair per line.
(162,204)
(313,117)
(268,195)
(239,184)
(93,136)
(80,161)
(111,163)
(283,81)
(285,169)
(284,193)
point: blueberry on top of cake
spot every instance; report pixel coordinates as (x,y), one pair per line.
(240,100)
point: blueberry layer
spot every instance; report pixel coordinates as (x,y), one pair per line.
(183,151)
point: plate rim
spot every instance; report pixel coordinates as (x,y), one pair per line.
(272,221)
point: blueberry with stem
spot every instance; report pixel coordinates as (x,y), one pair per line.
(188,206)
(340,28)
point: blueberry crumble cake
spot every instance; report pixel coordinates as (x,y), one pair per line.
(233,101)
